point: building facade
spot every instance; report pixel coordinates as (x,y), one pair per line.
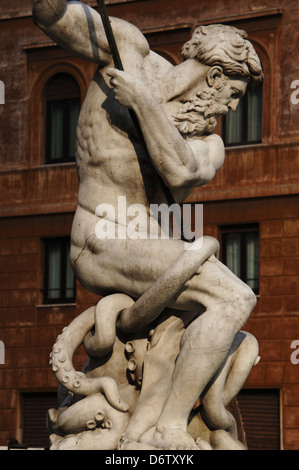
(251,206)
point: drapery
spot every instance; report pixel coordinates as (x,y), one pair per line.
(74,110)
(242,256)
(254,122)
(60,276)
(54,270)
(61,128)
(252,260)
(233,252)
(56,129)
(244,125)
(234,122)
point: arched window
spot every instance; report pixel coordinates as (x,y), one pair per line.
(62,106)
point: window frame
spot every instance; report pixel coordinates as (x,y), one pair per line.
(243,230)
(244,125)
(65,250)
(66,157)
(66,100)
(260,409)
(33,407)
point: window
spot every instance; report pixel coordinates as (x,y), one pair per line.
(62,96)
(244,125)
(35,407)
(240,253)
(260,412)
(59,278)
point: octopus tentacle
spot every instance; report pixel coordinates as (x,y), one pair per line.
(228,381)
(91,413)
(100,343)
(61,362)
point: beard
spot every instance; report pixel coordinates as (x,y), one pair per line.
(199,115)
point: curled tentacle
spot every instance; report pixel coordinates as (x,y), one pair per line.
(61,359)
(246,357)
(100,343)
(90,423)
(228,382)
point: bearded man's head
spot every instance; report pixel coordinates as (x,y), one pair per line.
(225,47)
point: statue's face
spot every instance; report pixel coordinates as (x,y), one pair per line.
(231,93)
(199,114)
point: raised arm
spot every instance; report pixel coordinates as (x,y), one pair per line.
(183,164)
(79,29)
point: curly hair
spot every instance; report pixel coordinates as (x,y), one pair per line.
(227,47)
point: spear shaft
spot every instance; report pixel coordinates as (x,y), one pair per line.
(110,36)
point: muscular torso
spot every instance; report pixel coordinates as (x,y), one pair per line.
(111,159)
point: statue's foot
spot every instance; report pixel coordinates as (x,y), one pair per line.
(176,439)
(223,440)
(131,441)
(173,439)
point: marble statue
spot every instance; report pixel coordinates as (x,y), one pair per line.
(165,346)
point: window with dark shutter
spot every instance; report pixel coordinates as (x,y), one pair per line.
(260,411)
(35,408)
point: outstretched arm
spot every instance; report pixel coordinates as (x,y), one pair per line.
(79,29)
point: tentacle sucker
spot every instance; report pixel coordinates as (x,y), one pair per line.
(92,416)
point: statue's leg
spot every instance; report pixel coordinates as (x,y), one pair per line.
(158,376)
(159,362)
(132,267)
(205,345)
